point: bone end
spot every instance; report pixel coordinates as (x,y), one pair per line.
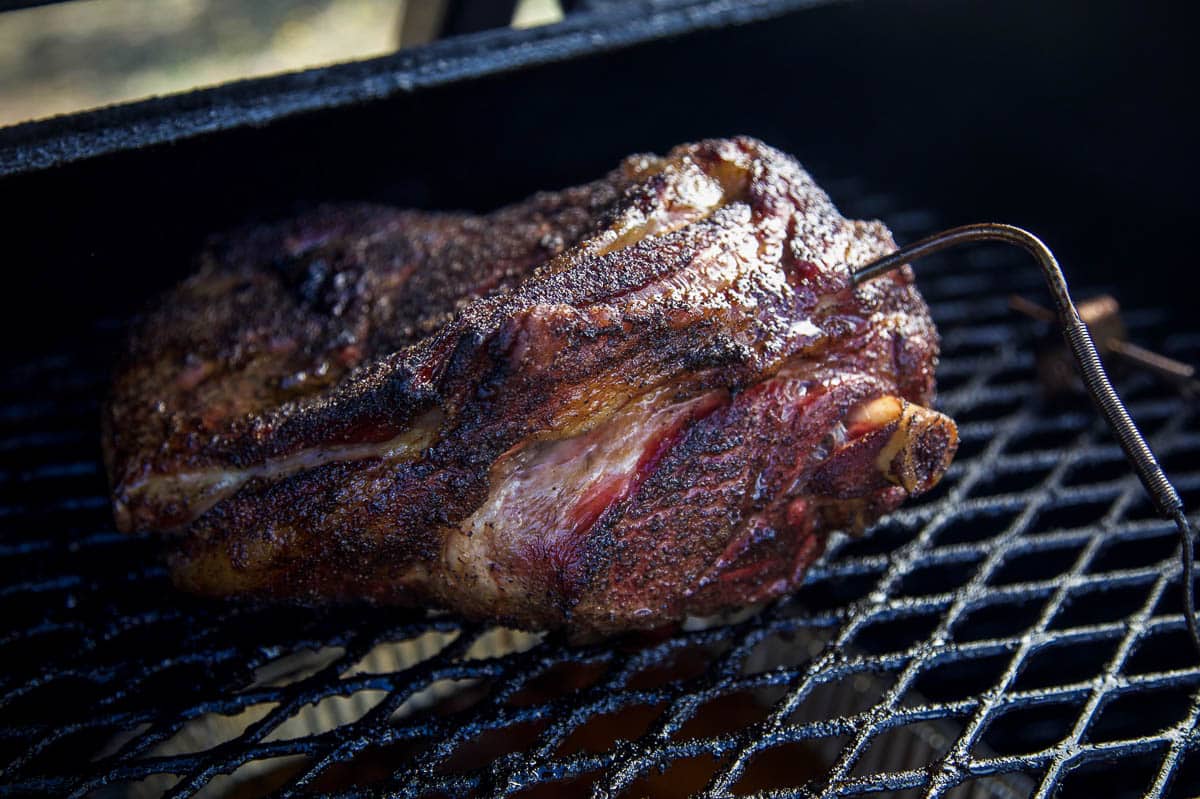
(920,448)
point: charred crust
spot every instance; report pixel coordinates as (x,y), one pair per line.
(719,267)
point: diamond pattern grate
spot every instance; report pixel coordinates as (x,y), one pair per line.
(1019,631)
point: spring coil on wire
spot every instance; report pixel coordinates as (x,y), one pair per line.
(1166,498)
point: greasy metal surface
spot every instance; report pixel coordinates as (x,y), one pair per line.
(1090,370)
(37,145)
(1029,607)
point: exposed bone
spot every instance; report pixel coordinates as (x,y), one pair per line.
(876,413)
(920,448)
(890,441)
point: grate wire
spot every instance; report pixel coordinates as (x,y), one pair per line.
(1035,579)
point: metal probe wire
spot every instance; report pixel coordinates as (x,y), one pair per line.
(1166,499)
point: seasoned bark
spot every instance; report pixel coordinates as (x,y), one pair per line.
(603,408)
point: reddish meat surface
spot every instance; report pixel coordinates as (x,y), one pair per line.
(603,408)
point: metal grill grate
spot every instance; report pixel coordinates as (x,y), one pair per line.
(1023,623)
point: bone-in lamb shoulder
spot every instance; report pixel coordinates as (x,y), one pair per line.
(603,408)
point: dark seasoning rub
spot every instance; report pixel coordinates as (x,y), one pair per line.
(664,418)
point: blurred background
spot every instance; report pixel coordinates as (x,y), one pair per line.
(1071,118)
(66,57)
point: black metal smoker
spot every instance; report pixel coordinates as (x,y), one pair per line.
(1019,632)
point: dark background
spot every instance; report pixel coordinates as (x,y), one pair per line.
(1071,117)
